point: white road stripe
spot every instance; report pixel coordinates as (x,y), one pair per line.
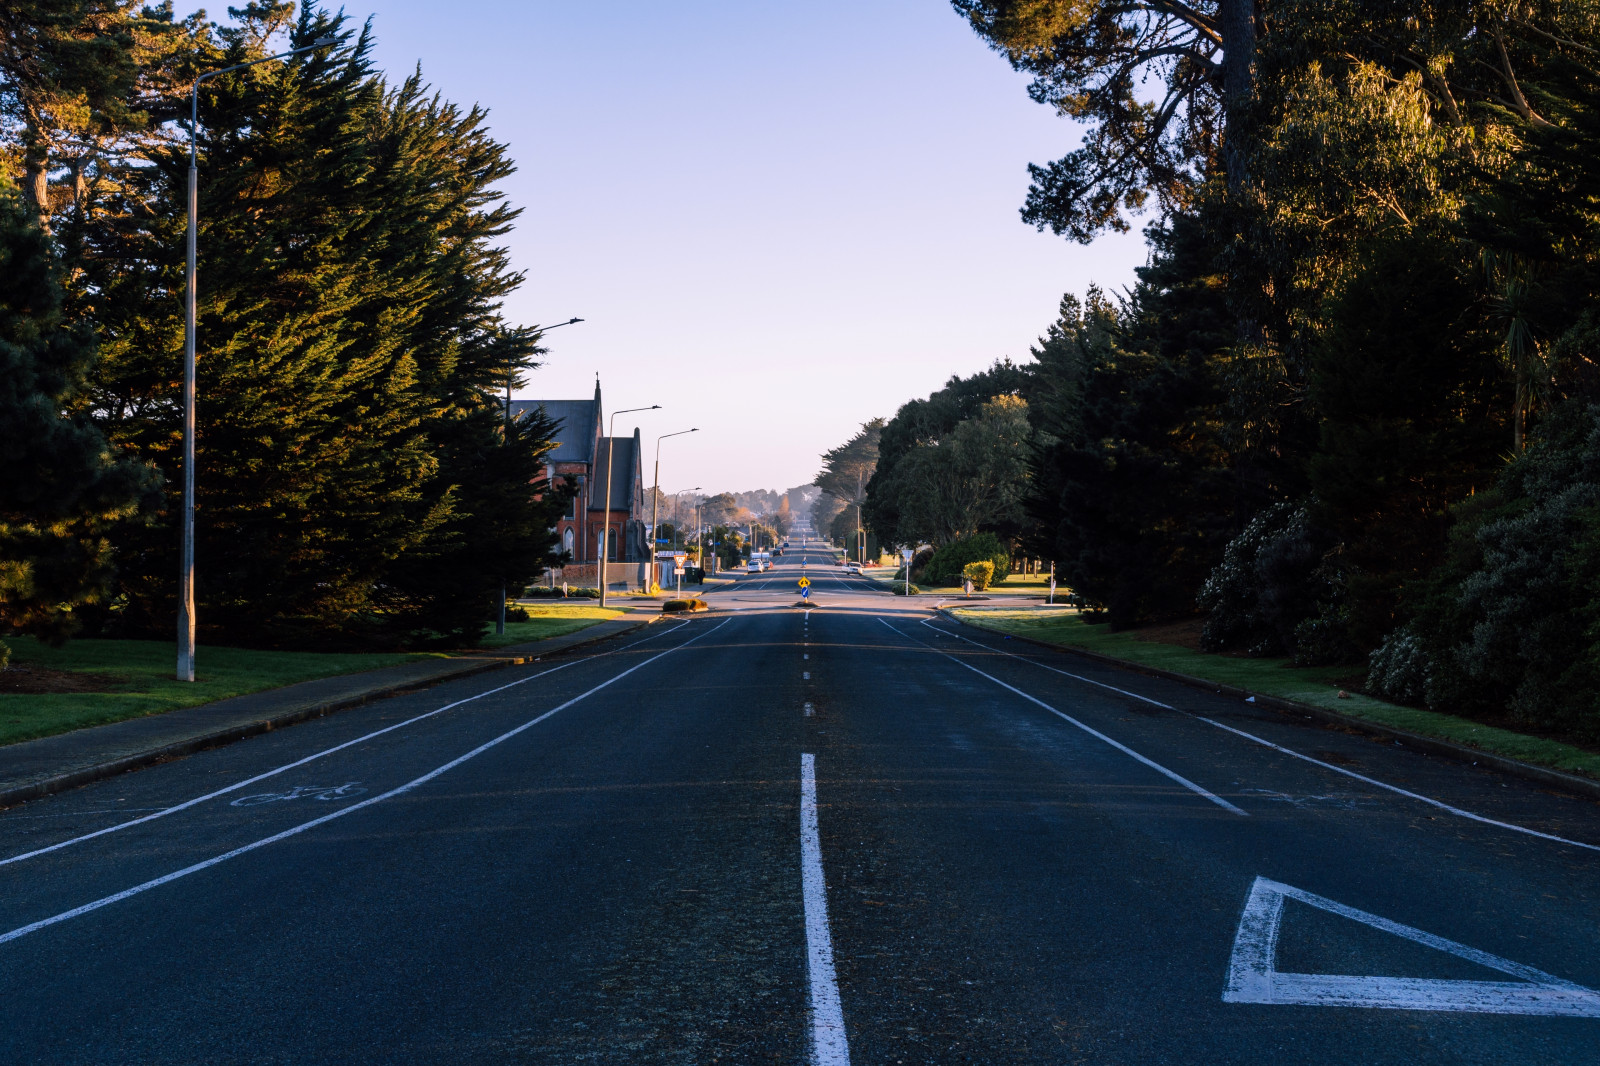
(1440,805)
(157,882)
(1457,811)
(1253,976)
(829,1046)
(1053,670)
(1157,767)
(164,811)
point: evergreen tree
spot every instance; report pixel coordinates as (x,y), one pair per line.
(355,476)
(1131,492)
(61,486)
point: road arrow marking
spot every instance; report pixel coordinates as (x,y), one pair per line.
(1254,978)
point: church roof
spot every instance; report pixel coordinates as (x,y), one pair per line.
(624,468)
(575,434)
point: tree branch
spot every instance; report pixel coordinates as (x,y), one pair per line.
(1520,102)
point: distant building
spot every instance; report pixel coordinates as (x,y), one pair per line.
(595,524)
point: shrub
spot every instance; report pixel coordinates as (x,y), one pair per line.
(679,606)
(902,589)
(945,568)
(540,592)
(979,573)
(1511,619)
(1272,578)
(1400,669)
(515,612)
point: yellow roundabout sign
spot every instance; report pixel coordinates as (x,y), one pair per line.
(805,582)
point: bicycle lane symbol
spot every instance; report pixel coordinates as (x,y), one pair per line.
(325,793)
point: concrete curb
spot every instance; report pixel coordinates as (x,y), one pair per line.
(1583,786)
(450,670)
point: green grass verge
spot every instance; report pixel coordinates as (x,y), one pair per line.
(1317,686)
(145,683)
(549,620)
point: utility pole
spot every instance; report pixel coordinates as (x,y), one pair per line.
(605,528)
(511,371)
(655,491)
(186,614)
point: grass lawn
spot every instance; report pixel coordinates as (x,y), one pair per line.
(1015,585)
(549,620)
(137,680)
(1318,686)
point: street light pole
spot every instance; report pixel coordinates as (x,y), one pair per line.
(500,617)
(186,617)
(655,490)
(605,526)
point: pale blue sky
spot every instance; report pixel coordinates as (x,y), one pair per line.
(778,219)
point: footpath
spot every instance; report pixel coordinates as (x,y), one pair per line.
(35,768)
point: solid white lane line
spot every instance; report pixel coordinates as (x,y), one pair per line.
(828,1044)
(157,882)
(164,811)
(1053,670)
(1157,767)
(1457,811)
(1440,805)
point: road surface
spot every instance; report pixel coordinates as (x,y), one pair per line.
(858,834)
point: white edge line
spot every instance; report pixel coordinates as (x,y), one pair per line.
(1430,801)
(157,882)
(1052,669)
(1179,778)
(163,812)
(829,1046)
(1438,804)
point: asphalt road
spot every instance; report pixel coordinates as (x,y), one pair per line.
(765,834)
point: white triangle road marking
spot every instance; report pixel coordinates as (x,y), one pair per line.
(1253,976)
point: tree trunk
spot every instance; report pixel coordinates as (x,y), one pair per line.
(1238,24)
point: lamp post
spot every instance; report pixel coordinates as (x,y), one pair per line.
(186,621)
(655,489)
(500,616)
(677,523)
(605,529)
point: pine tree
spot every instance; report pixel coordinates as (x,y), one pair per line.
(355,478)
(60,484)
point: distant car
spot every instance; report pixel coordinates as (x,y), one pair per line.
(852,568)
(754,566)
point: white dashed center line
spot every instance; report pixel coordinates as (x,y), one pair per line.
(828,1044)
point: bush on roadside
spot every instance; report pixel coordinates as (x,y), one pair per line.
(902,589)
(1267,584)
(540,592)
(515,612)
(979,573)
(1510,621)
(946,565)
(679,606)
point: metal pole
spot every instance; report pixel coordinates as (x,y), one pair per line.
(186,619)
(605,519)
(500,616)
(655,492)
(186,612)
(605,531)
